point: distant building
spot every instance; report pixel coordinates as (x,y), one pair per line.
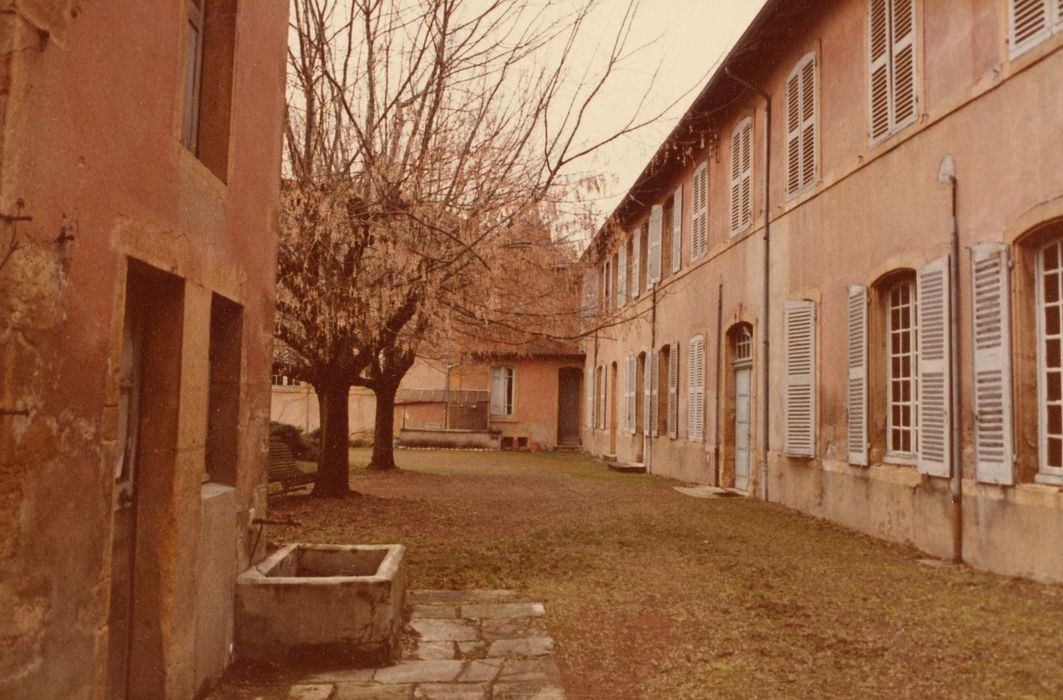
(847,135)
(140,160)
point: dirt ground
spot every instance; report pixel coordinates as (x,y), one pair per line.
(653,594)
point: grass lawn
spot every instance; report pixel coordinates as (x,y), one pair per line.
(654,594)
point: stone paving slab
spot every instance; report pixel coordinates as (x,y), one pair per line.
(472,645)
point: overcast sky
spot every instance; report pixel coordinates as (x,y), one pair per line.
(691,37)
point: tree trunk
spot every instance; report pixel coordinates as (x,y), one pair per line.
(384,428)
(333,463)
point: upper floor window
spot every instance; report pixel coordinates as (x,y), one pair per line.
(742,176)
(1032,21)
(892,65)
(801,126)
(699,230)
(502,391)
(210,41)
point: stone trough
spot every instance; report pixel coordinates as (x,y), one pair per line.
(321,602)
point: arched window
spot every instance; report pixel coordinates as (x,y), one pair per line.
(1050,356)
(902,372)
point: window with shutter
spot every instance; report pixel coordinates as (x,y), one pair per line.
(699,229)
(857,381)
(621,276)
(742,176)
(1050,360)
(590,293)
(653,255)
(647,396)
(588,417)
(934,347)
(672,419)
(892,64)
(901,372)
(635,256)
(677,229)
(655,392)
(801,126)
(800,406)
(1030,22)
(696,389)
(629,394)
(992,364)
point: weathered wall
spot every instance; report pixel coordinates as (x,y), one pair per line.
(91,152)
(872,210)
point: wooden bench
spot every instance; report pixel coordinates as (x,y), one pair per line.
(284,470)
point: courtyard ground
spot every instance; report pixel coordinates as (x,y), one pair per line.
(653,594)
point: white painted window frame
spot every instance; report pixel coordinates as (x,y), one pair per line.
(1045,474)
(509,403)
(896,456)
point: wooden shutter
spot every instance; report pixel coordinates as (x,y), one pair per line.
(647,394)
(621,276)
(696,389)
(808,122)
(636,246)
(655,391)
(793,132)
(1029,22)
(879,63)
(590,293)
(903,69)
(992,364)
(857,380)
(741,176)
(653,254)
(1059,15)
(677,229)
(935,444)
(699,230)
(672,418)
(629,393)
(800,344)
(588,418)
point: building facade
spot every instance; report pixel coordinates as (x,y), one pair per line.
(836,284)
(140,159)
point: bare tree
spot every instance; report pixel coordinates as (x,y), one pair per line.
(422,137)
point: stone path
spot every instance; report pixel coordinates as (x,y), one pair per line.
(471,645)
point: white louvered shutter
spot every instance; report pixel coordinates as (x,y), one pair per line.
(677,229)
(808,122)
(636,254)
(672,419)
(699,230)
(696,389)
(1059,15)
(621,276)
(935,444)
(879,44)
(992,364)
(741,176)
(629,394)
(590,386)
(793,133)
(1029,22)
(904,64)
(647,382)
(655,392)
(800,408)
(653,253)
(857,380)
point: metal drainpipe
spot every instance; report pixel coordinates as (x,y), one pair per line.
(719,371)
(653,353)
(765,325)
(947,174)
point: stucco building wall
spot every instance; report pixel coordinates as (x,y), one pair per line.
(871,211)
(92,155)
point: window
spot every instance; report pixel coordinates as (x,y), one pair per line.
(901,371)
(223,397)
(696,389)
(636,267)
(1032,21)
(743,345)
(799,322)
(742,176)
(210,41)
(699,227)
(677,230)
(590,294)
(1050,357)
(621,276)
(801,126)
(502,391)
(892,66)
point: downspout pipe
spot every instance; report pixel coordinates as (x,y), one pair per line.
(765,439)
(947,175)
